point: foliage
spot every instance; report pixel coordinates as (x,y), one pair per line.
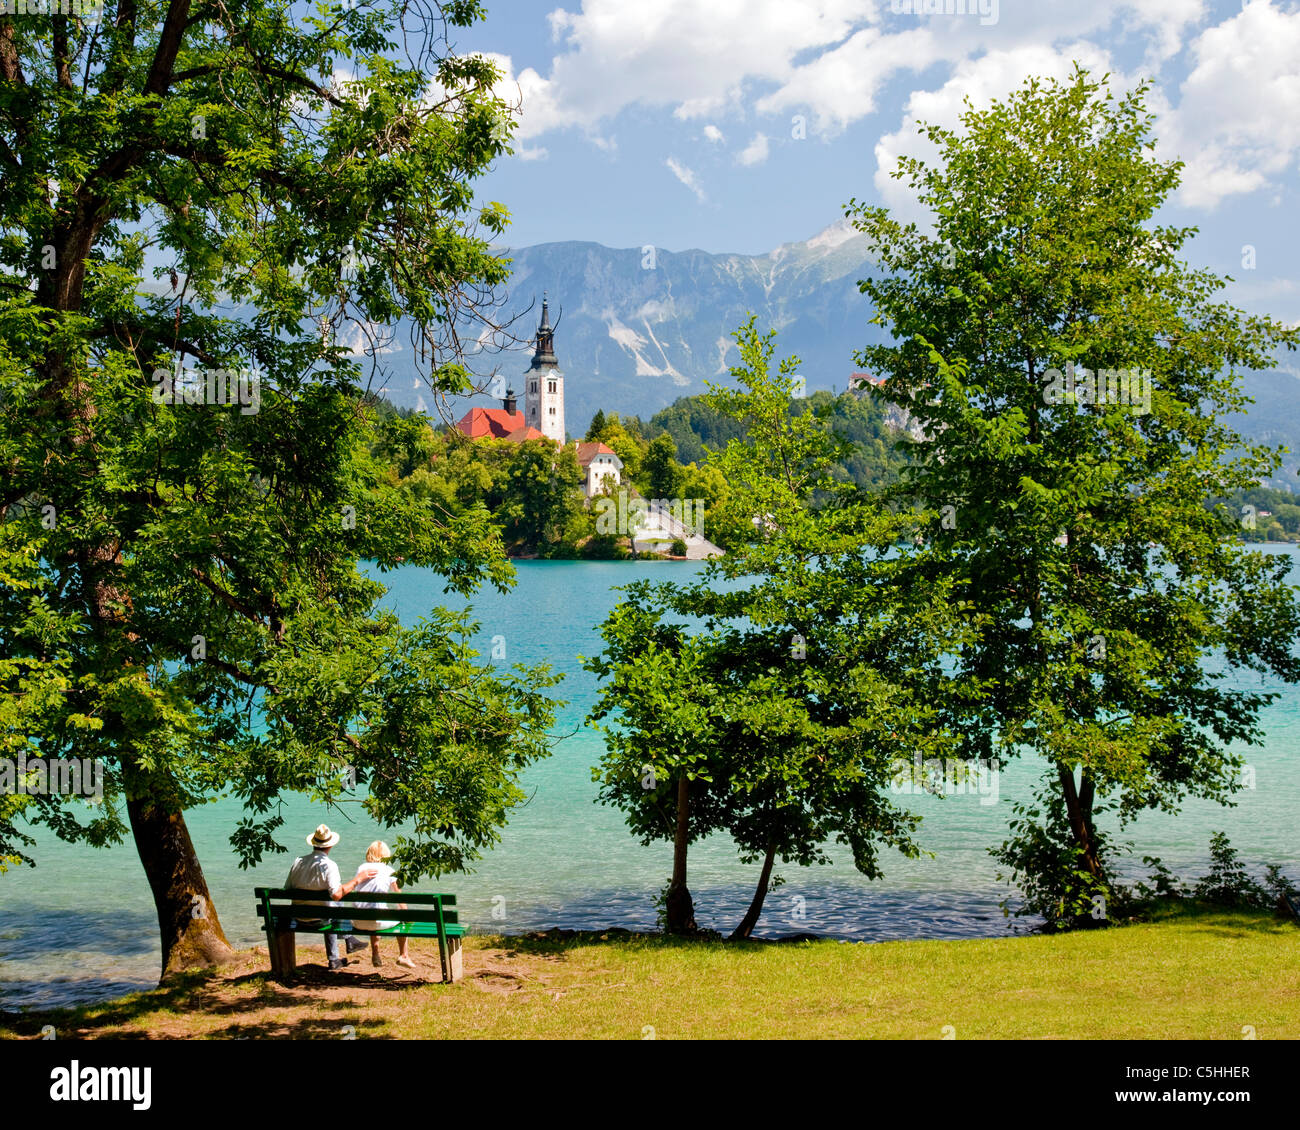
(788,709)
(1262,514)
(1073,525)
(663,475)
(183,596)
(1050,867)
(1228,883)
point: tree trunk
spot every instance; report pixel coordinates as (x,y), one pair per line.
(747,924)
(680,909)
(1078,807)
(187,919)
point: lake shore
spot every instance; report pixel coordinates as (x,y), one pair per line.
(1190,973)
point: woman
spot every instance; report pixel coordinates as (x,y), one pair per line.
(375,877)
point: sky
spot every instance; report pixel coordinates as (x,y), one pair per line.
(738,125)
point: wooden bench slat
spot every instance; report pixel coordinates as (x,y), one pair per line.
(411,929)
(355,896)
(348,913)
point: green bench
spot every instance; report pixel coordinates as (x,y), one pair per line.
(425,916)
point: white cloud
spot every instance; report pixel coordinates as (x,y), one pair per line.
(681,54)
(992,76)
(755,153)
(532,94)
(1237,122)
(1168,20)
(686,176)
(840,86)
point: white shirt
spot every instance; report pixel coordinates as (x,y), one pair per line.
(378,880)
(315,872)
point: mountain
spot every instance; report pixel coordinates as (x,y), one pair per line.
(1274,419)
(638,328)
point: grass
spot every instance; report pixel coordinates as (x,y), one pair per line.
(1190,973)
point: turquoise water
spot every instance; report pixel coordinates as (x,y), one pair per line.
(566,861)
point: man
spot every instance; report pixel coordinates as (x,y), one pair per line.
(317,872)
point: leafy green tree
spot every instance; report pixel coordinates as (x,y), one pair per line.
(661,472)
(545,494)
(807,685)
(596,430)
(628,447)
(696,427)
(182,596)
(1070,374)
(657,711)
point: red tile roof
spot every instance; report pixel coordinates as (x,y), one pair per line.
(496,423)
(522,435)
(588,451)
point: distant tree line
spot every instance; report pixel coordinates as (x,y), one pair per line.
(535,495)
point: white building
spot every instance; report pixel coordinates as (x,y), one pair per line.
(602,466)
(544,385)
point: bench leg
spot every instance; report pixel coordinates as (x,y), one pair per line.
(457,965)
(273,952)
(284,954)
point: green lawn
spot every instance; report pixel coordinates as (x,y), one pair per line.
(1192,973)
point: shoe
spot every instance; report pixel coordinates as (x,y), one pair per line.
(376,960)
(406,961)
(340,963)
(354,943)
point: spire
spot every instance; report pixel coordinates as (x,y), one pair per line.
(544,357)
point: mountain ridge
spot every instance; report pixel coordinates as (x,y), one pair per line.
(633,338)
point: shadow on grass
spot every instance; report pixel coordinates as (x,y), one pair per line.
(557,942)
(1204,917)
(208,992)
(1237,922)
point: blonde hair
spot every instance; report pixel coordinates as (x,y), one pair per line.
(378,851)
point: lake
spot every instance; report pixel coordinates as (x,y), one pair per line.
(567,861)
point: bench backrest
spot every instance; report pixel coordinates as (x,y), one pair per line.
(271,903)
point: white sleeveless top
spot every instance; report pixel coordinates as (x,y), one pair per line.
(379,882)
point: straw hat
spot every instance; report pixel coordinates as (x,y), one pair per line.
(323,837)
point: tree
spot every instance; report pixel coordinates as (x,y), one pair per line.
(663,474)
(785,718)
(1070,373)
(596,430)
(545,493)
(660,747)
(182,598)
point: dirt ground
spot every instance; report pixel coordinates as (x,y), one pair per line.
(240,1001)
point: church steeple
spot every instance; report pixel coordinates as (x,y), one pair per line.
(544,384)
(545,357)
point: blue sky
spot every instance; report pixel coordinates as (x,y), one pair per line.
(737,125)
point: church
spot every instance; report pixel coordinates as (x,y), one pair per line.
(543,414)
(544,394)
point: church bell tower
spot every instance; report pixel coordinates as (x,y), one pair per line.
(544,384)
